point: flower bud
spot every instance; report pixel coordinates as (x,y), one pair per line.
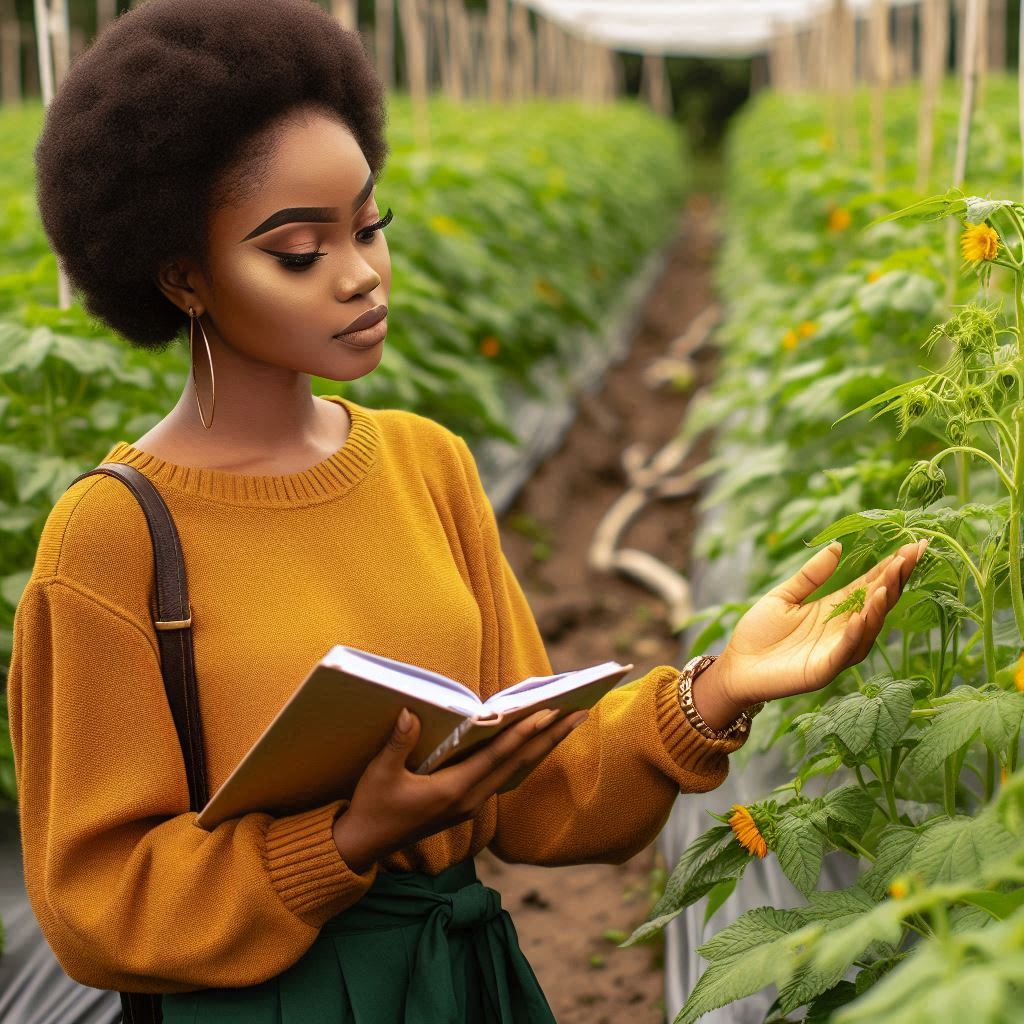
(924,484)
(958,431)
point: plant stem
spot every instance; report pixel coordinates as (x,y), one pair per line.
(988,637)
(1016,587)
(949,786)
(990,775)
(870,857)
(966,449)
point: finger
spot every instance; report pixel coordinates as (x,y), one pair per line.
(810,575)
(468,772)
(875,609)
(404,734)
(515,769)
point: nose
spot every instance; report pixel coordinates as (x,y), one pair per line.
(355,277)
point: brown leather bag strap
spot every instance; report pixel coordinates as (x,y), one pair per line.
(173,622)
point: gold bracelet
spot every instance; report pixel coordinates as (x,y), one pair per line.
(687,674)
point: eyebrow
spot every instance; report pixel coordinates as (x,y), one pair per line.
(310,214)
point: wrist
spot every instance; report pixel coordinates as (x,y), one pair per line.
(712,700)
(354,844)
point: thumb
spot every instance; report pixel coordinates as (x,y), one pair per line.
(403,738)
(811,574)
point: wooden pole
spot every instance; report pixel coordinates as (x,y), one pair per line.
(10,54)
(982,55)
(497,48)
(881,74)
(902,63)
(997,35)
(106,12)
(654,84)
(522,54)
(384,40)
(969,45)
(934,53)
(346,12)
(414,38)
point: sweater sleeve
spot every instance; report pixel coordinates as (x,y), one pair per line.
(129,892)
(607,789)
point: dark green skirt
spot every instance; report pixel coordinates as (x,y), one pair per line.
(416,949)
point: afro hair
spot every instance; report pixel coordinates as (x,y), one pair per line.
(162,120)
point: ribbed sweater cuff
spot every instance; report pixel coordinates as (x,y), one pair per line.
(306,868)
(706,761)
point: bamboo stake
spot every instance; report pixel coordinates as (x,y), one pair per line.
(934,54)
(497,48)
(416,68)
(346,12)
(522,54)
(454,38)
(881,73)
(963,136)
(10,54)
(654,84)
(384,41)
(982,54)
(997,35)
(106,12)
(902,63)
(477,23)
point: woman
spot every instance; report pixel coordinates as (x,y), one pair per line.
(210,166)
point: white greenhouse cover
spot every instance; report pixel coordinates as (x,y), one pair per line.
(686,27)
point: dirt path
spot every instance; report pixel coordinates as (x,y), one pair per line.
(562,914)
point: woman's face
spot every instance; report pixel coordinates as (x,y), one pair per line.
(266,300)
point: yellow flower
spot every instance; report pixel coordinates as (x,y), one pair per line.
(1004,774)
(874,276)
(839,219)
(979,242)
(747,832)
(490,346)
(1018,676)
(789,340)
(827,142)
(772,538)
(899,889)
(547,291)
(807,328)
(444,225)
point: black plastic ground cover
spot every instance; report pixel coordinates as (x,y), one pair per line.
(34,988)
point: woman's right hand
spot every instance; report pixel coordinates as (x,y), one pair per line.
(392,807)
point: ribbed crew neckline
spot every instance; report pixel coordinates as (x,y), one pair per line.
(329,478)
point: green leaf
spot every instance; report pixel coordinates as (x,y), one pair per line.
(932,208)
(895,845)
(951,849)
(744,959)
(872,719)
(857,522)
(885,396)
(800,848)
(995,715)
(718,895)
(711,858)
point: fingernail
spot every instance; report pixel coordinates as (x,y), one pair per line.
(580,722)
(404,720)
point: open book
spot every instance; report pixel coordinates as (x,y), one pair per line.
(342,714)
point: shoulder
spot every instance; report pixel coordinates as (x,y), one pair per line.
(436,452)
(96,539)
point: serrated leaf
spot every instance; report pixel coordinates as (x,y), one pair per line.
(874,718)
(800,848)
(858,522)
(895,845)
(745,958)
(955,848)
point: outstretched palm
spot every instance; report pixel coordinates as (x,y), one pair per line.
(782,646)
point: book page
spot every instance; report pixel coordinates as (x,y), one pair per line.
(411,679)
(537,689)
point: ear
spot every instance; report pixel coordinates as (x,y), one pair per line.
(180,281)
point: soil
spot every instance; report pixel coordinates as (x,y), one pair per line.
(562,914)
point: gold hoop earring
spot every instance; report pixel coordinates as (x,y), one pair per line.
(213,405)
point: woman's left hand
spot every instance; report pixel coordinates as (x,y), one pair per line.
(783,646)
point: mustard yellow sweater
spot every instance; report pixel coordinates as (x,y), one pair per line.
(389,545)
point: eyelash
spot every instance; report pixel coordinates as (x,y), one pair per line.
(307,259)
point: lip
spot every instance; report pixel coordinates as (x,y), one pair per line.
(364,320)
